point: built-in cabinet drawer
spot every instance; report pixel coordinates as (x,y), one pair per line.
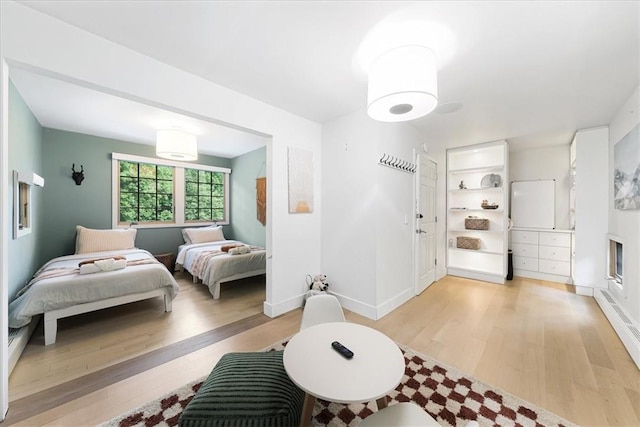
(525,263)
(554,253)
(538,254)
(530,237)
(555,239)
(554,267)
(523,249)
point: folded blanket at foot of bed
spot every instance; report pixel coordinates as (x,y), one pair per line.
(92,260)
(239,250)
(108,264)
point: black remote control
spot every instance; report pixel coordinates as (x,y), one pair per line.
(344,351)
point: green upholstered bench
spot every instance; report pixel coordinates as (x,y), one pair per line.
(246,389)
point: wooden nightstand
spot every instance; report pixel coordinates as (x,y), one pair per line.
(168,259)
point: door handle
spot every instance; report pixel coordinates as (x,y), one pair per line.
(419,216)
(420,231)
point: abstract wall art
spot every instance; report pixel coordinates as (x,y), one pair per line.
(300,168)
(626,174)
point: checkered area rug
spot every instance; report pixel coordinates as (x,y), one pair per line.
(449,396)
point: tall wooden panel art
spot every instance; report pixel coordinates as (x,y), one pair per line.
(261,199)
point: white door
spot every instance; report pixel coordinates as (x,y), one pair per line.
(425,223)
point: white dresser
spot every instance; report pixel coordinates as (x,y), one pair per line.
(544,255)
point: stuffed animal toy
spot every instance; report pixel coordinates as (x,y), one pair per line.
(317,285)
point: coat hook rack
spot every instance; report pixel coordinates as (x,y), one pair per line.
(397,163)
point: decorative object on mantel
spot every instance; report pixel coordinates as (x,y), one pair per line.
(626,163)
(396,163)
(493,180)
(486,205)
(78,177)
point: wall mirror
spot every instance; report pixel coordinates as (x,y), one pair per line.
(23,183)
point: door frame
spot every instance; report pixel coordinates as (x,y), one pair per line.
(4,236)
(416,237)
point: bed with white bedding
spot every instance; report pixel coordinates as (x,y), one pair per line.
(208,262)
(59,289)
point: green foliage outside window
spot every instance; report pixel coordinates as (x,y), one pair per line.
(204,195)
(146,192)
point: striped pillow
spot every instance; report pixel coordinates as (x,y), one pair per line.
(246,390)
(90,240)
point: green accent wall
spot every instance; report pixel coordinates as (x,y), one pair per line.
(61,204)
(244,217)
(24,154)
(89,204)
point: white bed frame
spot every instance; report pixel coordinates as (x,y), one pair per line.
(51,317)
(216,285)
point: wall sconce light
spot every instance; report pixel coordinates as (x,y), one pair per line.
(77,176)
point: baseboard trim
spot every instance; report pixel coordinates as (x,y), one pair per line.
(627,329)
(476,275)
(584,290)
(359,307)
(543,276)
(274,310)
(20,341)
(393,303)
(356,306)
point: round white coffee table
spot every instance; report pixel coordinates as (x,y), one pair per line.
(313,365)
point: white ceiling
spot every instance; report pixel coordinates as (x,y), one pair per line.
(532,72)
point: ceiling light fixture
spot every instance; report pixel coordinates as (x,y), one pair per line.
(403,84)
(175,144)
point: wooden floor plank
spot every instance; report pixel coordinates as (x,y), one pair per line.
(532,338)
(55,396)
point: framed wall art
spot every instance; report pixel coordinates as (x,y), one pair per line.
(300,168)
(626,174)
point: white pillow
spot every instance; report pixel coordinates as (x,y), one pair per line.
(91,240)
(186,237)
(202,235)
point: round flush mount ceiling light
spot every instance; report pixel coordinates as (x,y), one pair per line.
(175,144)
(403,84)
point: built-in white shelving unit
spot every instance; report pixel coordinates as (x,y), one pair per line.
(590,208)
(471,178)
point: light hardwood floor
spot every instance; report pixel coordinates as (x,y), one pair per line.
(532,338)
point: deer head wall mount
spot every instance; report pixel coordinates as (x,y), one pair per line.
(77,176)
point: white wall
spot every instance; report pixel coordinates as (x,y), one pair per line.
(366,245)
(591,195)
(38,42)
(545,163)
(626,223)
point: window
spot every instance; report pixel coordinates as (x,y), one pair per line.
(162,193)
(204,195)
(615,263)
(146,192)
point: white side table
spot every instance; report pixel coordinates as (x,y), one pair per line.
(376,368)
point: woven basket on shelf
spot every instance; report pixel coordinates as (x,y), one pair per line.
(463,242)
(476,223)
